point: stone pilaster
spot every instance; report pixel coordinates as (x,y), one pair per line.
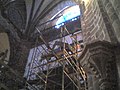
(111,19)
(116,5)
(98,58)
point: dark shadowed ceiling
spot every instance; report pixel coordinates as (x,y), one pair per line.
(25,15)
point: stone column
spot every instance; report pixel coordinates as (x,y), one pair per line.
(18,58)
(18,55)
(98,57)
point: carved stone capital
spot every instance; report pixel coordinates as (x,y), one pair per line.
(98,59)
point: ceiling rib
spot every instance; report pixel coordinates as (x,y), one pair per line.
(43,14)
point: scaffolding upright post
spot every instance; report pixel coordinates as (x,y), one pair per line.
(63,78)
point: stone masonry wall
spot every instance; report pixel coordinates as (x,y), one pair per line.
(113,15)
(112,8)
(116,6)
(101,21)
(93,25)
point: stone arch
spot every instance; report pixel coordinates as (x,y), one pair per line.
(98,59)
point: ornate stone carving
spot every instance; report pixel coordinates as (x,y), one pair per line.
(98,58)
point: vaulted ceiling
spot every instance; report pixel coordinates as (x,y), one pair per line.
(25,15)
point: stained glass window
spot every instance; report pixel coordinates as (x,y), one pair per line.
(69,14)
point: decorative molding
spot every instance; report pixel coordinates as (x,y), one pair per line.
(98,57)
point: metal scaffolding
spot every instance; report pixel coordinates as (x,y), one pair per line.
(54,65)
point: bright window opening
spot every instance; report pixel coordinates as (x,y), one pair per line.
(68,14)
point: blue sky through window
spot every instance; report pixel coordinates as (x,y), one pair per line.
(68,15)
